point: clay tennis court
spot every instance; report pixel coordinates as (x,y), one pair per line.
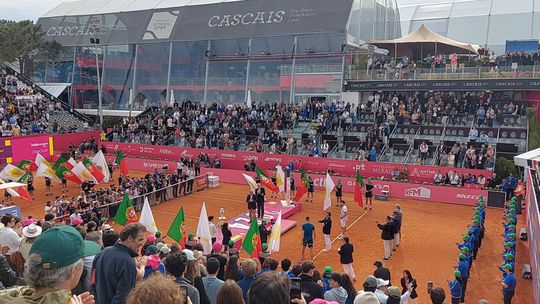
(429,233)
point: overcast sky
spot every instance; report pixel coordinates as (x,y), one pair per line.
(33,9)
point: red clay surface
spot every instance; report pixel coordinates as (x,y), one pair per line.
(428,249)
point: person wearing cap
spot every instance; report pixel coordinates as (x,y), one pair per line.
(366,298)
(216,253)
(327,273)
(327,227)
(463,267)
(153,263)
(456,291)
(346,257)
(260,193)
(176,265)
(54,267)
(387,236)
(115,269)
(394,295)
(337,292)
(233,250)
(264,232)
(382,290)
(159,239)
(191,241)
(211,282)
(264,254)
(30,233)
(508,284)
(310,288)
(309,235)
(382,272)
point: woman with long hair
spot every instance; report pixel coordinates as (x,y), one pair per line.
(232,270)
(456,290)
(229,293)
(157,289)
(227,234)
(348,285)
(406,281)
(193,274)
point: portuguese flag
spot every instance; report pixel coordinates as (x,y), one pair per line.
(120,161)
(177,231)
(59,163)
(27,165)
(358,189)
(302,187)
(64,173)
(22,191)
(95,171)
(266,181)
(126,213)
(252,240)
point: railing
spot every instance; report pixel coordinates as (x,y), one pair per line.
(311,68)
(411,147)
(504,72)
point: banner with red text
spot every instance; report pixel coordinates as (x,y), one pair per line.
(27,147)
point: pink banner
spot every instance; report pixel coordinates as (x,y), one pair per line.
(27,147)
(236,160)
(61,142)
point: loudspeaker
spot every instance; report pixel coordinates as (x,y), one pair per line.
(523,234)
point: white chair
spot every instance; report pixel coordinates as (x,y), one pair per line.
(385,190)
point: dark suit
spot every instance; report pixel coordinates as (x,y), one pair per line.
(260,193)
(414,295)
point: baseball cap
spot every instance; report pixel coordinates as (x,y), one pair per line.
(106,227)
(264,246)
(165,249)
(509,256)
(151,238)
(381,282)
(191,235)
(371,281)
(394,292)
(327,270)
(508,266)
(60,247)
(151,250)
(466,237)
(462,256)
(189,254)
(366,298)
(91,248)
(457,273)
(231,243)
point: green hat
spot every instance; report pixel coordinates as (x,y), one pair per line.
(513,199)
(158,233)
(263,222)
(462,256)
(508,266)
(509,256)
(512,235)
(231,243)
(466,249)
(457,273)
(264,246)
(60,247)
(466,237)
(512,226)
(476,221)
(327,270)
(508,244)
(190,235)
(512,221)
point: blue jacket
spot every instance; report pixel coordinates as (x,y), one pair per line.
(115,274)
(455,289)
(245,284)
(463,267)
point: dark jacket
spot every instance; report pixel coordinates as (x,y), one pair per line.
(311,288)
(387,232)
(198,283)
(414,295)
(245,285)
(260,193)
(345,253)
(115,274)
(395,226)
(192,292)
(327,225)
(382,273)
(8,277)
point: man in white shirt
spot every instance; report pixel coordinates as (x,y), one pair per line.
(324,149)
(213,229)
(344,217)
(382,290)
(9,237)
(438,177)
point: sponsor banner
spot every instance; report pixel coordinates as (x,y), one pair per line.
(236,160)
(446,85)
(5,151)
(533,229)
(62,142)
(27,147)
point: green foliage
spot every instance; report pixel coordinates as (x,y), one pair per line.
(534,129)
(504,166)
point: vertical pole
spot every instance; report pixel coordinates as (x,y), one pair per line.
(291,94)
(134,80)
(205,93)
(73,76)
(168,87)
(247,72)
(100,105)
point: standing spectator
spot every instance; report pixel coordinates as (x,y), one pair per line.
(176,265)
(213,229)
(308,236)
(349,287)
(346,257)
(373,154)
(8,236)
(344,216)
(249,268)
(260,193)
(324,149)
(337,292)
(158,289)
(216,253)
(437,295)
(272,288)
(311,289)
(8,277)
(409,283)
(327,227)
(382,272)
(387,236)
(211,282)
(424,149)
(229,293)
(227,235)
(115,269)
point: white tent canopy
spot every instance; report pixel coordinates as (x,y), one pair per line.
(55,89)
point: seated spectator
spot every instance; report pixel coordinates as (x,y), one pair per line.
(438,177)
(395,174)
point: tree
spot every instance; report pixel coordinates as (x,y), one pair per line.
(534,129)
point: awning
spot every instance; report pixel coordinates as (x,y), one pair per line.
(528,159)
(54,89)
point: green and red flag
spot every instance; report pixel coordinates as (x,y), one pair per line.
(22,191)
(94,170)
(302,187)
(64,173)
(177,231)
(358,189)
(266,181)
(59,163)
(120,161)
(252,240)
(28,165)
(126,213)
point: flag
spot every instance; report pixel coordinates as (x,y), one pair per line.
(280,178)
(252,240)
(302,187)
(120,160)
(147,218)
(23,192)
(358,189)
(95,171)
(329,184)
(11,172)
(266,181)
(177,231)
(275,236)
(203,231)
(83,173)
(99,160)
(64,173)
(251,182)
(71,163)
(28,165)
(40,159)
(46,171)
(10,190)
(126,213)
(59,162)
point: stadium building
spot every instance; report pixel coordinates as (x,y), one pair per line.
(206,50)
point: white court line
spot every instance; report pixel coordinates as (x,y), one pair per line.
(172,213)
(361,216)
